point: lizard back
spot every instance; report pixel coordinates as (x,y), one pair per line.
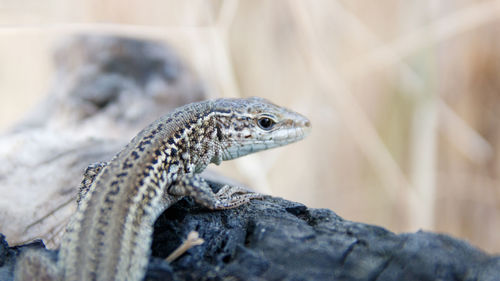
(109,236)
(128,194)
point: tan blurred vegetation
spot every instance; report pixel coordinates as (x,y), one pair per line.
(404,96)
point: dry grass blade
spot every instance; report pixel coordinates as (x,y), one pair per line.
(343,102)
(442,29)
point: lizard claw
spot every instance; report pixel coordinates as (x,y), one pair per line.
(232,196)
(227,192)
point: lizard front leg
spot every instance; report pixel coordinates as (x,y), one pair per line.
(88,178)
(196,187)
(33,265)
(227,197)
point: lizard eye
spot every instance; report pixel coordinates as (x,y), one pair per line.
(266,123)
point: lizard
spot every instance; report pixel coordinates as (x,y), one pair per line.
(109,236)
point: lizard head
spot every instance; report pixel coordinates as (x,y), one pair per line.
(253,124)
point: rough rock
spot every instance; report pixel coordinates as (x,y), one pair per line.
(275,239)
(108,88)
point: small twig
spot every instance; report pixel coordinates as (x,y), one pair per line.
(192,240)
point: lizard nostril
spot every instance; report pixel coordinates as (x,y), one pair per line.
(305,123)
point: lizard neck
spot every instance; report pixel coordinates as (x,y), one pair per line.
(109,236)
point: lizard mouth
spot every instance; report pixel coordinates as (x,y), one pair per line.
(279,137)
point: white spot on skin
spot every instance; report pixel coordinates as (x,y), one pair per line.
(173,169)
(191,168)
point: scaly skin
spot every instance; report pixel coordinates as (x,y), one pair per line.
(109,237)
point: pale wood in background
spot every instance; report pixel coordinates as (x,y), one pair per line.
(403,95)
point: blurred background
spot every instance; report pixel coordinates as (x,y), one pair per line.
(404,96)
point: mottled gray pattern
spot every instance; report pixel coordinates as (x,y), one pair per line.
(109,236)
